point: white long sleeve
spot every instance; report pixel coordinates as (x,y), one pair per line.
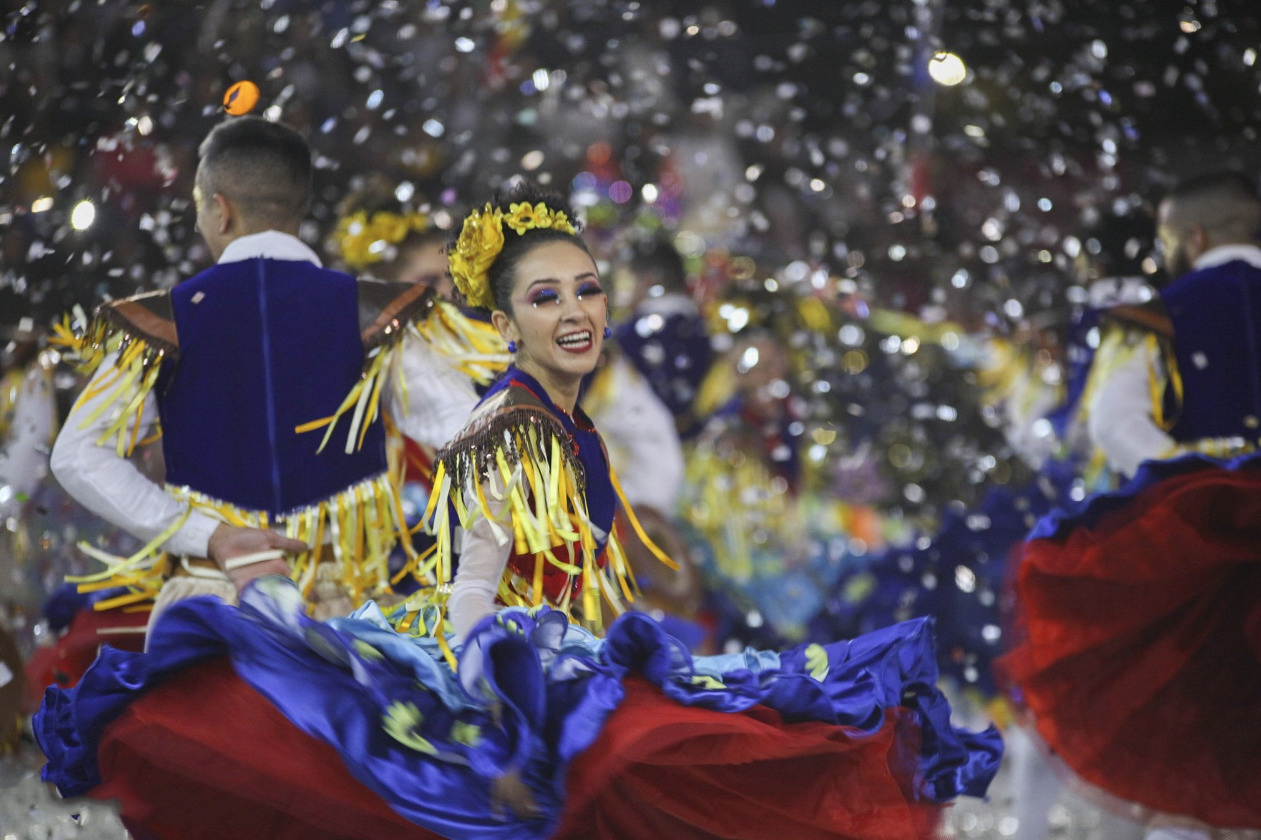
(112,488)
(1121,421)
(642,440)
(483,558)
(24,454)
(439,398)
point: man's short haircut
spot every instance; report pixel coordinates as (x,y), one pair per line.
(658,259)
(1225,203)
(261,166)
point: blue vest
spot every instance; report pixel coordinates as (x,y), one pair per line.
(264,346)
(1216,317)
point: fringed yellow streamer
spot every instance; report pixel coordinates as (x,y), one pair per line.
(474,347)
(621,570)
(539,491)
(447,653)
(1156,382)
(125,388)
(639,529)
(360,523)
(361,396)
(130,599)
(117,567)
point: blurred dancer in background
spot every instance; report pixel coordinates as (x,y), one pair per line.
(1138,614)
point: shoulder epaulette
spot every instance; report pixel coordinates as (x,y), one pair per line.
(508,424)
(149,317)
(1150,316)
(386,309)
(141,332)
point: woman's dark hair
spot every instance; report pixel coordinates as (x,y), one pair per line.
(503,272)
(659,260)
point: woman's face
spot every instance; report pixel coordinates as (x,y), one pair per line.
(425,263)
(559,312)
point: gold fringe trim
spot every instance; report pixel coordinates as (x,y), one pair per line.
(539,488)
(133,376)
(363,402)
(474,347)
(356,529)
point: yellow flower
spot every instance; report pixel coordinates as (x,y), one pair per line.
(389,227)
(560,221)
(352,239)
(402,722)
(817,661)
(525,216)
(481,240)
(362,242)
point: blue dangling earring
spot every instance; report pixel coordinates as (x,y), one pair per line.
(512,347)
(607,332)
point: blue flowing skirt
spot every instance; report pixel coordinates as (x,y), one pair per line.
(530,693)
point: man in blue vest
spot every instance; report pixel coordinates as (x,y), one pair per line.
(1201,349)
(246,366)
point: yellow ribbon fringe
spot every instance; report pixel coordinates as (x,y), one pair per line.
(536,501)
(474,347)
(132,377)
(356,529)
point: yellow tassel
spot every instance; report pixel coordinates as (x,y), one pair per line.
(447,653)
(473,347)
(639,529)
(1156,383)
(117,565)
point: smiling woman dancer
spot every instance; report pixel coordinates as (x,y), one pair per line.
(532,719)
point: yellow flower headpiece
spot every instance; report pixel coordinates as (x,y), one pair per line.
(482,238)
(362,241)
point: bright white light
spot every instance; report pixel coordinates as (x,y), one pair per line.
(40,205)
(965,579)
(649,192)
(532,160)
(946,68)
(749,360)
(83,215)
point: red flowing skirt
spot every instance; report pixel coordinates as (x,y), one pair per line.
(206,757)
(1138,646)
(64,662)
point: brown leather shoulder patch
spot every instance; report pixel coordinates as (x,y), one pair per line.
(149,316)
(1149,316)
(385,308)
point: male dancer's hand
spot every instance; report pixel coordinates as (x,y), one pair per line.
(231,541)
